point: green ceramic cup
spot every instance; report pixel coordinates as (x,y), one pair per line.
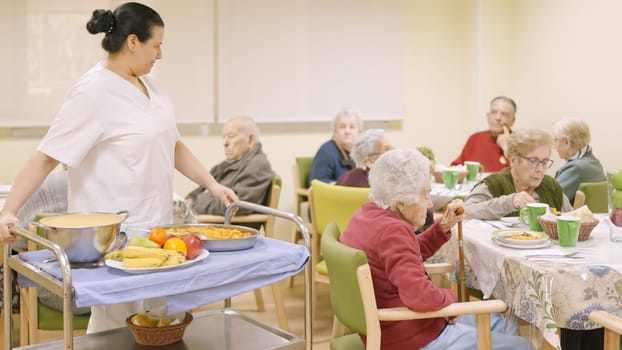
(568,230)
(450,178)
(529,215)
(473,170)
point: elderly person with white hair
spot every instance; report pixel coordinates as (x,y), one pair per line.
(383,229)
(333,158)
(370,145)
(524,181)
(571,138)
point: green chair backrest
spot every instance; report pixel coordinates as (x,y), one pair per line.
(342,262)
(595,196)
(332,203)
(304,169)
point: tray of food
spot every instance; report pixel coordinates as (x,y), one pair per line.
(218,237)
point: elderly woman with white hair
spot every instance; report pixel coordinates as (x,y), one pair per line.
(369,146)
(524,181)
(383,229)
(571,138)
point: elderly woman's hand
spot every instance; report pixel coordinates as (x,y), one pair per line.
(454,212)
(521,199)
(7,220)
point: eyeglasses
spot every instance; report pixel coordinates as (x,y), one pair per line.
(534,162)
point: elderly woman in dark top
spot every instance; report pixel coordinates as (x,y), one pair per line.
(383,229)
(333,158)
(524,181)
(572,138)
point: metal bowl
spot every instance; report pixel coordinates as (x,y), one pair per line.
(85,237)
(222,245)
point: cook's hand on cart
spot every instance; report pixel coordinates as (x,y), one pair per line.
(224,193)
(454,212)
(7,220)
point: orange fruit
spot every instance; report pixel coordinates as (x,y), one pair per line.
(176,244)
(158,235)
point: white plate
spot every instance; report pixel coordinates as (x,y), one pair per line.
(543,244)
(503,236)
(115,264)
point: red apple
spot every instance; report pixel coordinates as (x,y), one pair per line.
(194,246)
(616,216)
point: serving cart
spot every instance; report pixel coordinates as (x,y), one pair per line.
(218,329)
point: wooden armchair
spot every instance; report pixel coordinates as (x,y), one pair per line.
(267,221)
(613,328)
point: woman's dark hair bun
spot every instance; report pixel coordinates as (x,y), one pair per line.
(102,21)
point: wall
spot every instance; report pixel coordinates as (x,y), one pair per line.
(555,57)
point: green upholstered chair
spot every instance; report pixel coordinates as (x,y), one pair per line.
(595,196)
(300,176)
(330,203)
(613,328)
(354,303)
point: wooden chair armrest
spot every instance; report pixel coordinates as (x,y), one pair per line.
(607,320)
(455,309)
(302,191)
(438,268)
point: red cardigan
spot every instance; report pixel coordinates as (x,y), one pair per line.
(396,255)
(482,147)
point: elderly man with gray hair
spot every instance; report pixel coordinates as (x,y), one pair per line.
(246,169)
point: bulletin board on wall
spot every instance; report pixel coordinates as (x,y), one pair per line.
(276,60)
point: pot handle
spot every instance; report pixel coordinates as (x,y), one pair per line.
(40,225)
(125,214)
(118,243)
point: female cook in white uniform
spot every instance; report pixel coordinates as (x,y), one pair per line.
(116,132)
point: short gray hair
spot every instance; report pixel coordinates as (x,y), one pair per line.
(248,125)
(345,113)
(577,131)
(523,141)
(398,176)
(365,146)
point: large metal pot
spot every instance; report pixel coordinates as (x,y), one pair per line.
(85,237)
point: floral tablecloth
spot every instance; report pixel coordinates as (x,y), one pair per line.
(548,293)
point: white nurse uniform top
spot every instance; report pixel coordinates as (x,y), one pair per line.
(119,146)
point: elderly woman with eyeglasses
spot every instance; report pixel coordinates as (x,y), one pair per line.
(524,181)
(383,229)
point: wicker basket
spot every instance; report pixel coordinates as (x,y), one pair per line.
(550,227)
(156,336)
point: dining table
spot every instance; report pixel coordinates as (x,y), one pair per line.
(548,286)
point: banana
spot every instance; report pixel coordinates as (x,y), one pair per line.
(142,242)
(133,251)
(114,255)
(171,259)
(141,262)
(174,258)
